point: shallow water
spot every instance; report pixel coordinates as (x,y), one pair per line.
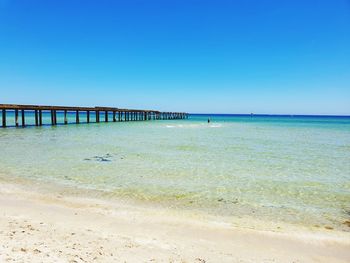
(274,168)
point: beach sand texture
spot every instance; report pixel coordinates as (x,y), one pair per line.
(55,228)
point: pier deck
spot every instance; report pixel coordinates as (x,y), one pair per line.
(118,115)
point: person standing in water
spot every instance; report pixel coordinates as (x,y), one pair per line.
(208,120)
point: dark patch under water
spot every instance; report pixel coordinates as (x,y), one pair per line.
(104,158)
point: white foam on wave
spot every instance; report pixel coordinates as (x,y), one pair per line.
(194,126)
(182,126)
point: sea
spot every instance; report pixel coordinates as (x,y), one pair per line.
(274,168)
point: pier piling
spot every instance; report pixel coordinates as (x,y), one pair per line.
(4,118)
(36,118)
(23,118)
(65,117)
(16,118)
(97,116)
(40,117)
(77,121)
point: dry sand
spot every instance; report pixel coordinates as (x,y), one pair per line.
(48,228)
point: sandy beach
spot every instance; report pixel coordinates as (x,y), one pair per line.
(37,227)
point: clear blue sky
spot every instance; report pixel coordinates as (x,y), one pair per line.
(194,55)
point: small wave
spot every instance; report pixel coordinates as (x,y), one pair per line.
(194,126)
(177,126)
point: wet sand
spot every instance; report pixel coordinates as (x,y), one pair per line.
(36,227)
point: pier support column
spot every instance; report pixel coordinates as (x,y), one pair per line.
(97,116)
(106,116)
(52,118)
(3,118)
(36,117)
(77,117)
(23,119)
(55,116)
(65,117)
(40,117)
(114,119)
(88,116)
(16,118)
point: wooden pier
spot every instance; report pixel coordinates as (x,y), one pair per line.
(118,115)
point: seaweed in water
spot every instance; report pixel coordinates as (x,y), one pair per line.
(104,158)
(235,201)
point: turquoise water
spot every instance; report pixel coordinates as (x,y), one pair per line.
(279,169)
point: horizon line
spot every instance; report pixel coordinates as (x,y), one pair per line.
(269,114)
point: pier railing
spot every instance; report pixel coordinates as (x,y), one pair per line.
(118,115)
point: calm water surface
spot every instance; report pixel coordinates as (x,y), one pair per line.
(288,169)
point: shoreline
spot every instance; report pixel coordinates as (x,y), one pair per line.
(81,229)
(53,190)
